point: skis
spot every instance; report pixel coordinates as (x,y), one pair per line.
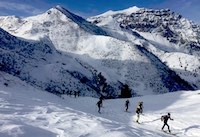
(127,111)
(169,133)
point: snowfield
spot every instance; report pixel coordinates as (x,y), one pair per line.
(29,112)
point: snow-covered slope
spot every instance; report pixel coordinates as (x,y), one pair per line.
(173,27)
(59,72)
(28,112)
(56,25)
(84,57)
(41,65)
(162,32)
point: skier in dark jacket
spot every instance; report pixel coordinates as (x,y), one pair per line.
(127,105)
(70,93)
(75,94)
(165,118)
(78,93)
(141,107)
(101,101)
(99,105)
(139,110)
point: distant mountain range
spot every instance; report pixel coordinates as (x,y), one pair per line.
(151,51)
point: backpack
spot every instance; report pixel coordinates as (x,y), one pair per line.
(137,110)
(162,118)
(127,102)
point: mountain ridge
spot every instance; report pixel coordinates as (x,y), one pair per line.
(163,33)
(90,58)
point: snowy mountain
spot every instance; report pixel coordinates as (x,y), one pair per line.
(59,51)
(172,38)
(29,112)
(178,31)
(57,24)
(42,66)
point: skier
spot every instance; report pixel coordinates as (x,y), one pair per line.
(70,93)
(165,119)
(127,104)
(79,93)
(67,92)
(99,105)
(101,101)
(139,110)
(75,93)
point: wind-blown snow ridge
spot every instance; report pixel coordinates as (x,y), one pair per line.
(126,11)
(81,22)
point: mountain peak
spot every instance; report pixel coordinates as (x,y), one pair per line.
(130,10)
(79,20)
(62,9)
(59,8)
(127,11)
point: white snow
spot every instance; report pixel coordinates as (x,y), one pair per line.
(116,56)
(160,42)
(184,65)
(29,112)
(177,56)
(127,11)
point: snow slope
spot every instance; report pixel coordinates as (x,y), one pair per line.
(28,112)
(163,32)
(57,26)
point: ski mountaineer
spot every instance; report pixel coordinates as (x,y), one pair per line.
(75,94)
(101,101)
(139,110)
(127,105)
(99,105)
(165,119)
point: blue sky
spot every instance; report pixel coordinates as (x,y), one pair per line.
(86,8)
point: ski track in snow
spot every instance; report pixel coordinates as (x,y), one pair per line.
(28,112)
